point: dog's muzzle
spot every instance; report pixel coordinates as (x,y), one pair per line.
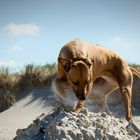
(81,97)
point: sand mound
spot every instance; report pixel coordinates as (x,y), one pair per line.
(86,125)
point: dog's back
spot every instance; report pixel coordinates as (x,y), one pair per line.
(75,49)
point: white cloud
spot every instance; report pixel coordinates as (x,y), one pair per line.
(21,29)
(9,63)
(14,48)
(121,42)
(117,40)
(125,47)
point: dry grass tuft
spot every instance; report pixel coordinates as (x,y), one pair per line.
(37,76)
(7,82)
(11,85)
(135,66)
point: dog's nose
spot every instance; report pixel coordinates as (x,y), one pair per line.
(82,97)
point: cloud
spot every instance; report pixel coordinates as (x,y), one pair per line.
(9,63)
(17,30)
(120,42)
(117,40)
(125,47)
(14,49)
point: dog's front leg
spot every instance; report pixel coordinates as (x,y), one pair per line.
(79,106)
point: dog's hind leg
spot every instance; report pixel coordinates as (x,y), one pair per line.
(126,96)
(125,80)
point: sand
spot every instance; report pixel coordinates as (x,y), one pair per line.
(22,113)
(37,115)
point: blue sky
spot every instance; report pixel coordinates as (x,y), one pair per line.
(33,31)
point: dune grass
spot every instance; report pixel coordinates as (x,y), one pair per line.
(36,76)
(135,66)
(33,76)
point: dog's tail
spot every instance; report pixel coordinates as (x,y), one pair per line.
(135,72)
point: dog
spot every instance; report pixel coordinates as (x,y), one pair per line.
(94,72)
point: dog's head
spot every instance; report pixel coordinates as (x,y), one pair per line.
(79,74)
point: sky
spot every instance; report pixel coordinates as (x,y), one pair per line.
(34,31)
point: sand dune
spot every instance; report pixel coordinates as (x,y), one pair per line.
(22,113)
(37,101)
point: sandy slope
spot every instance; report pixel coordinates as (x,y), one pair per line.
(23,113)
(32,104)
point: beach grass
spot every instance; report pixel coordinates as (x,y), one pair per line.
(32,76)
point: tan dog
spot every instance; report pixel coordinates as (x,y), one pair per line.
(94,72)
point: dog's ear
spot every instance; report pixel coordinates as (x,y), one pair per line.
(66,63)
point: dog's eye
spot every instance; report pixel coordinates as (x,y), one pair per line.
(76,83)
